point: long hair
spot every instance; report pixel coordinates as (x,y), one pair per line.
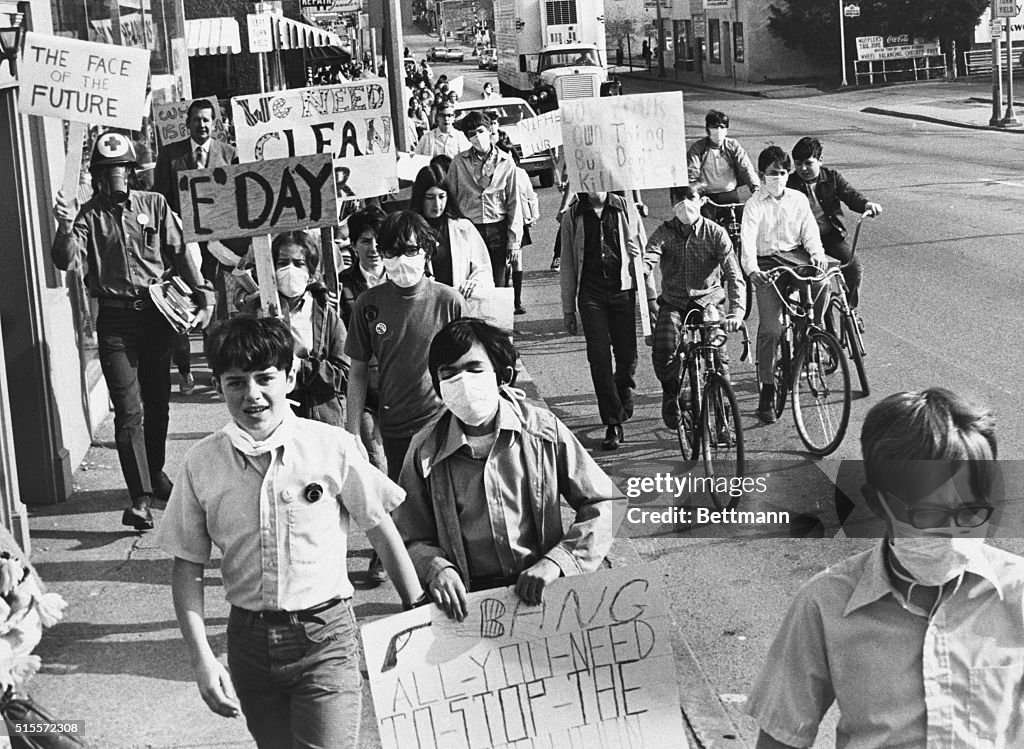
(430,176)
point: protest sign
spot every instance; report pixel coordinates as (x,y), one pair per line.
(590,666)
(624,142)
(409,165)
(458,85)
(170,121)
(351,121)
(494,306)
(537,134)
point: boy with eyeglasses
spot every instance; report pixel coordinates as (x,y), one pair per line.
(444,138)
(917,640)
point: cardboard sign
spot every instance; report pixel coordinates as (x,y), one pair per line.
(170,121)
(409,165)
(537,134)
(267,197)
(624,142)
(590,666)
(350,121)
(495,306)
(100,84)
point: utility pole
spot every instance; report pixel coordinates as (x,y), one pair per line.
(1010,118)
(661,41)
(997,71)
(393,45)
(842,43)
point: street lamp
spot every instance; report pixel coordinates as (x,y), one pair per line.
(10,39)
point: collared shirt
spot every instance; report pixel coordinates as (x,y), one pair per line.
(204,146)
(434,143)
(899,678)
(717,173)
(693,265)
(300,321)
(602,257)
(774,225)
(124,248)
(488,198)
(281,551)
(819,213)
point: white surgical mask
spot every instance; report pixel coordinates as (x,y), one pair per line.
(481,142)
(717,135)
(687,211)
(292,281)
(930,559)
(405,271)
(471,396)
(774,184)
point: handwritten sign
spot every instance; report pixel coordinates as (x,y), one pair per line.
(624,142)
(350,121)
(590,666)
(267,197)
(409,165)
(100,84)
(537,134)
(170,120)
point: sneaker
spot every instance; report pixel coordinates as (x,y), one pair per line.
(766,404)
(520,309)
(375,572)
(187,384)
(556,263)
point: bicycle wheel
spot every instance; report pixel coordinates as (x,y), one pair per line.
(782,363)
(821,393)
(721,440)
(687,400)
(854,344)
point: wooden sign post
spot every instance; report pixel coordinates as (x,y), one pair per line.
(256,200)
(85,83)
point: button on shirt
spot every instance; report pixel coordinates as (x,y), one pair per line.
(774,225)
(900,679)
(124,248)
(281,551)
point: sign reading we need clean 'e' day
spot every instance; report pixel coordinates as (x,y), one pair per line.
(100,84)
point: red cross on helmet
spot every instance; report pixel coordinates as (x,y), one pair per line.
(113,147)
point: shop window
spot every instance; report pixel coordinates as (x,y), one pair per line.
(714,41)
(737,42)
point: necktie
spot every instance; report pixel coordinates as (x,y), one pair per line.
(200,157)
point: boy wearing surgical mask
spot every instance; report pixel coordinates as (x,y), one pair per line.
(698,269)
(488,450)
(720,163)
(917,640)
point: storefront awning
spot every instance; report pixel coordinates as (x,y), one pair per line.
(212,36)
(298,35)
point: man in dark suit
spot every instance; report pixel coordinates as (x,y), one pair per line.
(199,151)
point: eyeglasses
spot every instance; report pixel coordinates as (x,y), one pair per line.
(964,516)
(409,250)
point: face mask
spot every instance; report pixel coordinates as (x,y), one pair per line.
(687,211)
(481,142)
(114,184)
(774,185)
(292,281)
(930,559)
(717,135)
(405,271)
(471,396)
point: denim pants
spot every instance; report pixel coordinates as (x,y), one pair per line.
(495,236)
(298,683)
(609,325)
(135,356)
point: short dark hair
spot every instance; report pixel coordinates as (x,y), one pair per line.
(807,148)
(430,176)
(250,344)
(399,227)
(505,144)
(685,192)
(443,103)
(474,120)
(913,442)
(300,238)
(774,155)
(714,118)
(369,218)
(442,160)
(200,104)
(458,337)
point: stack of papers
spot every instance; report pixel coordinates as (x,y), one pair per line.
(174,300)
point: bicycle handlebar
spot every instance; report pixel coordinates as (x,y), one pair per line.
(699,324)
(710,202)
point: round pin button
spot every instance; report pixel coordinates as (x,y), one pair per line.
(142,218)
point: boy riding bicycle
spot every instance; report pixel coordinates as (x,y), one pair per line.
(720,163)
(778,229)
(696,255)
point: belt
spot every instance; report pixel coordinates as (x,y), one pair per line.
(134,303)
(305,615)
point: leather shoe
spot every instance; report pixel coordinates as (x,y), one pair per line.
(138,516)
(766,404)
(612,437)
(669,409)
(162,487)
(376,573)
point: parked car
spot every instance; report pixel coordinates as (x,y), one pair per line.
(478,48)
(445,54)
(510,111)
(488,59)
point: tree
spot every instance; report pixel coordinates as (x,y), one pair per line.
(812,25)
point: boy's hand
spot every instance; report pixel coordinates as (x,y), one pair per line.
(759,277)
(64,211)
(449,592)
(872,209)
(467,288)
(731,324)
(570,323)
(216,688)
(819,261)
(531,583)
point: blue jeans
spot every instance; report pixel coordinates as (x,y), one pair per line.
(298,682)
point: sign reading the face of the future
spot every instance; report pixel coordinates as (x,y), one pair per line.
(350,121)
(591,666)
(266,197)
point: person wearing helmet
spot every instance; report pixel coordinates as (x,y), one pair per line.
(122,240)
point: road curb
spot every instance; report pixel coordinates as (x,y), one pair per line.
(939,120)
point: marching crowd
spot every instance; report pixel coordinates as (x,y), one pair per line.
(389,405)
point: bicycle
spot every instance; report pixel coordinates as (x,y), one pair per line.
(842,322)
(809,358)
(709,419)
(731,224)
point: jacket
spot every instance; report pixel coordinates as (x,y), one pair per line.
(351,283)
(741,165)
(469,254)
(535,462)
(178,157)
(831,190)
(572,248)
